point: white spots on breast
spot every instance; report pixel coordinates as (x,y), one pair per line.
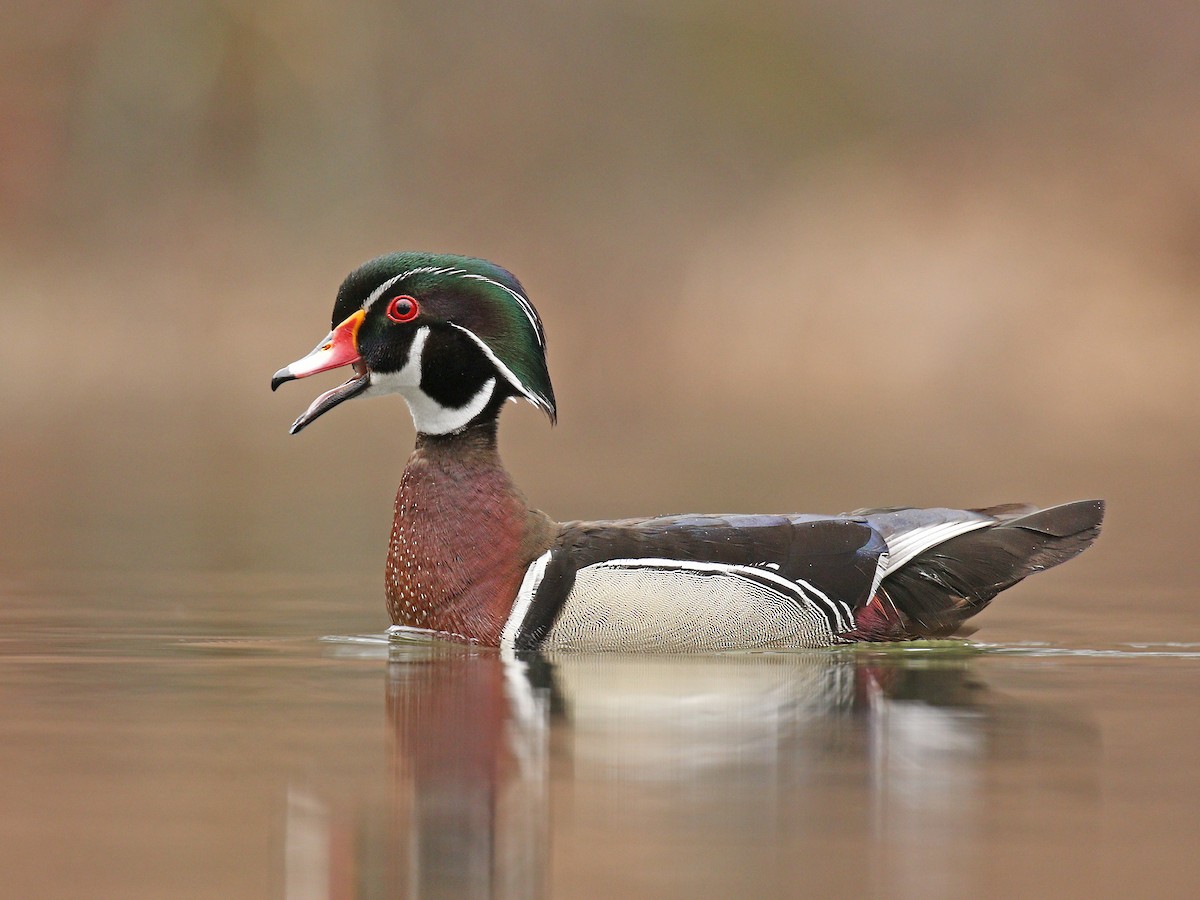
(408,595)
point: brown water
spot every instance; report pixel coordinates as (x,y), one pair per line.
(192,735)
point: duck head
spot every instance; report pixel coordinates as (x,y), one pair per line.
(454,336)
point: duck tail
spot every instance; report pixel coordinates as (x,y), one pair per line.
(950,567)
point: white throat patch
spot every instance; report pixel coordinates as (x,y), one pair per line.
(429,416)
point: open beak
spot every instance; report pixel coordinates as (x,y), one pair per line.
(339,348)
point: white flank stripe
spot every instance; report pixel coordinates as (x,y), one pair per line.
(529,586)
(798,589)
(906,545)
(840,610)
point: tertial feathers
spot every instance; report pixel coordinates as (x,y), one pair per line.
(944,585)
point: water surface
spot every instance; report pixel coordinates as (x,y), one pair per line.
(218,736)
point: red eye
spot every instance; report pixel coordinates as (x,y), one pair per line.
(403,308)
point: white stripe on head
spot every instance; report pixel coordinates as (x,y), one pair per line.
(522,300)
(508,374)
(378,292)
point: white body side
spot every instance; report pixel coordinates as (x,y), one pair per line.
(633,605)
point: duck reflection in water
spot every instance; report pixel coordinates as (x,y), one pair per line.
(497,760)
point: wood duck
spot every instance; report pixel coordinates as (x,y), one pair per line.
(470,560)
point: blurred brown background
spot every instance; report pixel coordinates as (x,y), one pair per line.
(790,256)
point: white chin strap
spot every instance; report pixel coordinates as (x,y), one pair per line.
(429,416)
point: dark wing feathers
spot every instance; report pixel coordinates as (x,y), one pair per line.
(945,585)
(796,544)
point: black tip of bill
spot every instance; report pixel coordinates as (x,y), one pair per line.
(327,400)
(284,374)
